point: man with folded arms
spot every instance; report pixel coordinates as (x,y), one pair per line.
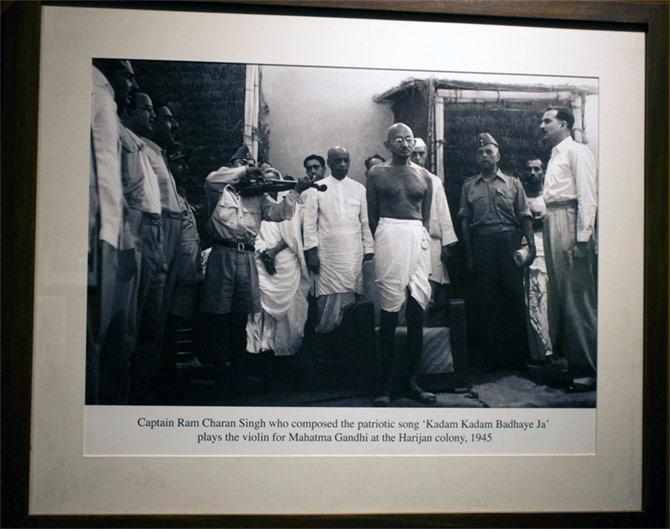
(399,197)
(570,193)
(231,290)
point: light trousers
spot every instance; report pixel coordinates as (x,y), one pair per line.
(572,290)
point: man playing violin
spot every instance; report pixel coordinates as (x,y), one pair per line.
(231,289)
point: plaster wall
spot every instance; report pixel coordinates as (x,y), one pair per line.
(312,109)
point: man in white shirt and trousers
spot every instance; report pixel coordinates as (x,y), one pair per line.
(337,239)
(145,290)
(570,193)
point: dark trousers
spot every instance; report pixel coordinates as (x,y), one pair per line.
(502,317)
(99,313)
(337,353)
(387,328)
(309,356)
(227,345)
(145,313)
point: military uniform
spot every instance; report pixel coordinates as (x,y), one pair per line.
(231,290)
(494,210)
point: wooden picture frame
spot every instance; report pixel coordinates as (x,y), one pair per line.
(21,38)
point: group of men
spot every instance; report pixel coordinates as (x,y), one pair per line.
(274,254)
(529,246)
(341,226)
(556,216)
(143,241)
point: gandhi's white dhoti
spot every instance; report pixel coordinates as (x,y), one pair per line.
(402,261)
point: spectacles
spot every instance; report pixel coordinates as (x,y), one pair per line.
(399,141)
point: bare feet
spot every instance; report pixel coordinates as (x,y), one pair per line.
(424,397)
(382,401)
(417,393)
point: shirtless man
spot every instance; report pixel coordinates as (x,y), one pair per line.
(399,195)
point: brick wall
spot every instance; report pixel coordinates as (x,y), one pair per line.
(207,99)
(514,125)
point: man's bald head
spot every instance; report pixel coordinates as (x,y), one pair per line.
(139,115)
(121,76)
(337,151)
(338,161)
(398,129)
(400,141)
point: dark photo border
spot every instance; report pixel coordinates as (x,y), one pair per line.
(20,73)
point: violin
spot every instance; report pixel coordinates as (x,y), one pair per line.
(316,185)
(257,186)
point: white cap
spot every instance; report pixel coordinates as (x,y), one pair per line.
(418,142)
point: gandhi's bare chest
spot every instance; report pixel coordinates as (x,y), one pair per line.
(405,185)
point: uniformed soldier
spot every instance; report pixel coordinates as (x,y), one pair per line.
(231,290)
(494,213)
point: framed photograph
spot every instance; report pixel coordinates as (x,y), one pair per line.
(257,359)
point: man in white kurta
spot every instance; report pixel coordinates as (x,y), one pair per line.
(441,227)
(337,239)
(284,282)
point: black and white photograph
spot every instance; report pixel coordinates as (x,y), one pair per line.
(302,236)
(341,265)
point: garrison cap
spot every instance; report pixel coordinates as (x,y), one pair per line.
(485,138)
